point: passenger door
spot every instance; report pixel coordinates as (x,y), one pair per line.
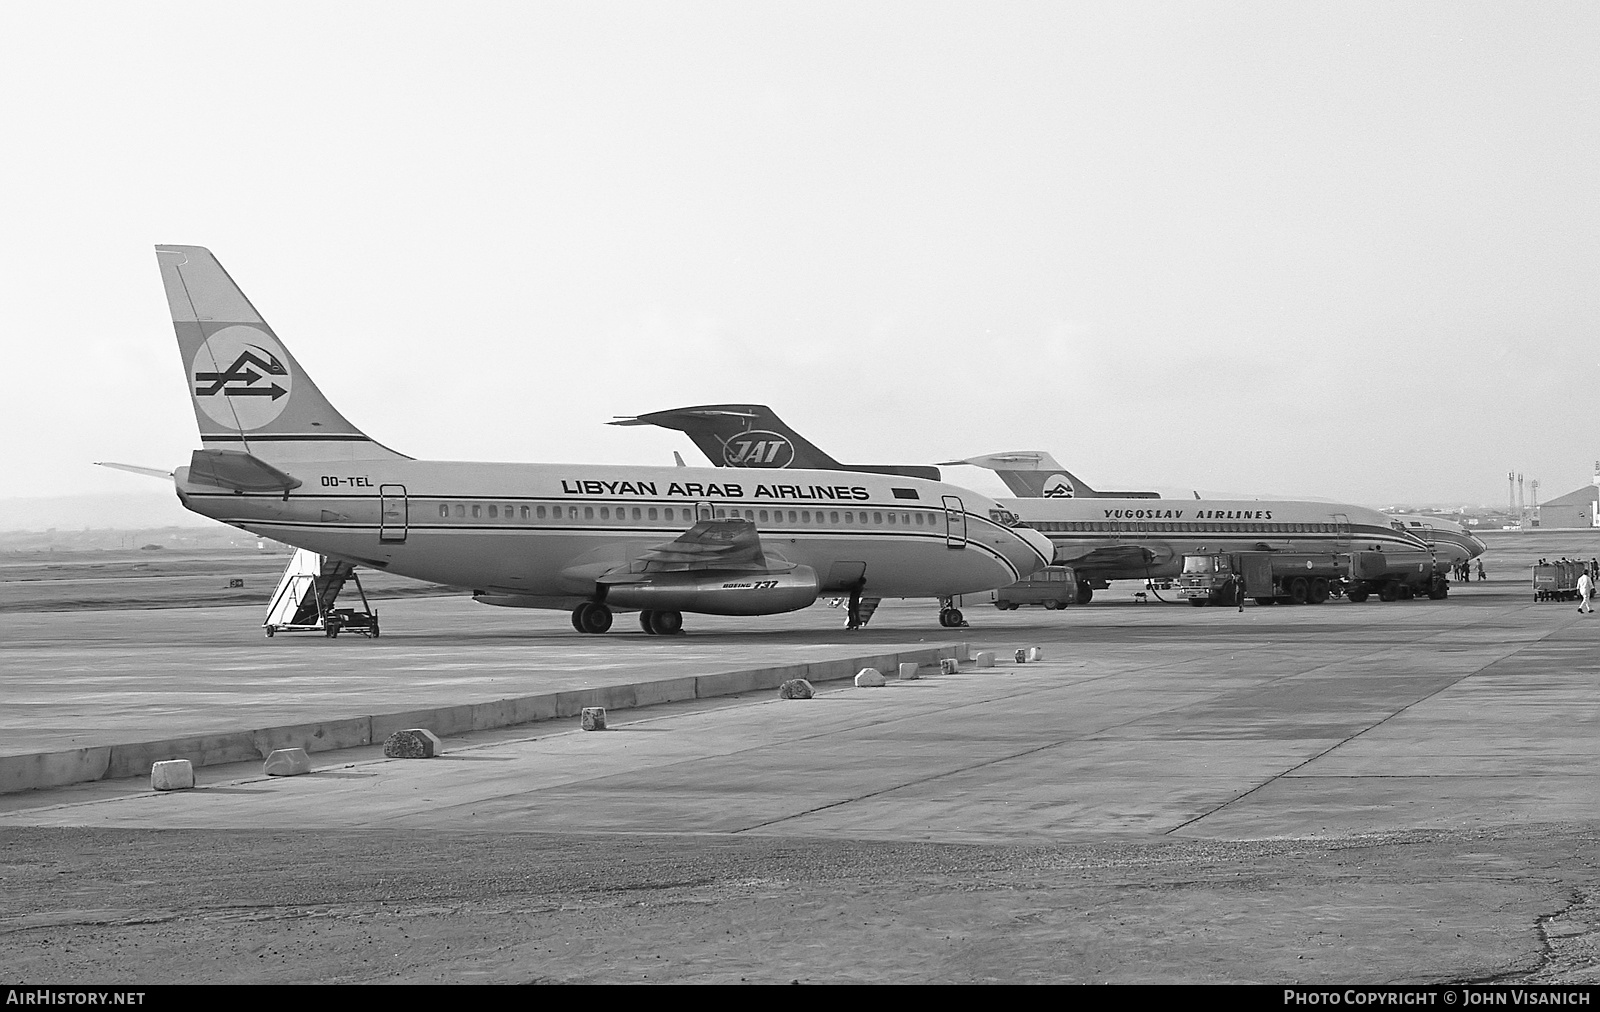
(392,513)
(955,522)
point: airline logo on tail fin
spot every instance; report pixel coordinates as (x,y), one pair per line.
(250,389)
(757,448)
(1059,486)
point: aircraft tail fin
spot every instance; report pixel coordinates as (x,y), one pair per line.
(1035,474)
(752,435)
(249,394)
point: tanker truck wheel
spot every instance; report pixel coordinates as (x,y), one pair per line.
(1357,596)
(1299,590)
(644,622)
(666,623)
(1319,590)
(1198,602)
(1387,592)
(1405,592)
(1263,601)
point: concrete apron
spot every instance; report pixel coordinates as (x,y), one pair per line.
(110,762)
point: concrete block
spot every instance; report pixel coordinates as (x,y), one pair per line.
(963,651)
(984,658)
(412,743)
(593,718)
(795,688)
(949,666)
(172,775)
(870,678)
(287,762)
(1035,654)
(908,671)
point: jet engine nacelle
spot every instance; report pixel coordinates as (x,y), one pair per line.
(714,593)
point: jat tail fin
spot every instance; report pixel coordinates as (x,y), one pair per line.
(752,435)
(249,393)
(1034,474)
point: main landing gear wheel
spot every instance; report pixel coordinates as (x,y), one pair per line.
(644,622)
(666,623)
(591,618)
(950,618)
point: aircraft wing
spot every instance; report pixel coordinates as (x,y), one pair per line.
(730,544)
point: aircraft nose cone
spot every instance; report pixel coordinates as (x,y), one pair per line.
(1039,544)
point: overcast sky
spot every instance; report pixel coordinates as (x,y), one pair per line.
(1345,250)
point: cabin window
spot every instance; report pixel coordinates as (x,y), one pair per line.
(477,511)
(636,514)
(833,517)
(444,510)
(538,511)
(605,513)
(588,512)
(877,518)
(572,512)
(652,513)
(750,515)
(461,510)
(494,513)
(763,515)
(669,514)
(805,516)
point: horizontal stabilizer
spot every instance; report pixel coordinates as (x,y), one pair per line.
(154,472)
(239,472)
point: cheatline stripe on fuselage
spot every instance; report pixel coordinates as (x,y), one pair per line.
(1341,543)
(588,527)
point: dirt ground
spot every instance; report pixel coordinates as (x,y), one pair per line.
(211,907)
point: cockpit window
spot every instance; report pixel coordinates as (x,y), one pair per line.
(1006,518)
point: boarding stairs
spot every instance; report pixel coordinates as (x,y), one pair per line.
(307,594)
(866,608)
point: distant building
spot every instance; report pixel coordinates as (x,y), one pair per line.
(1575,509)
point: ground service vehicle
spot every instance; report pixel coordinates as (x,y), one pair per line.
(1054,587)
(1269,577)
(1557,581)
(1395,577)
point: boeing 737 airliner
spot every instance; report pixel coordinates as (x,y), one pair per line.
(280,461)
